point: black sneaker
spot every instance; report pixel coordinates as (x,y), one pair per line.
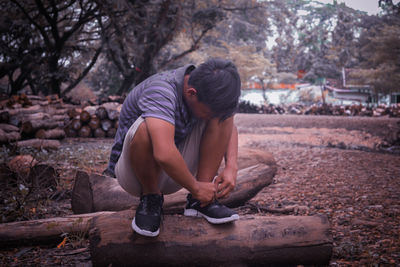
(214,213)
(148,215)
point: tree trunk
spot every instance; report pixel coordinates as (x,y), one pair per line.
(101,193)
(183,241)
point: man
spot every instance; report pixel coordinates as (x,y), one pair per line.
(174,129)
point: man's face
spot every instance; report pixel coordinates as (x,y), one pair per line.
(197,108)
(200,110)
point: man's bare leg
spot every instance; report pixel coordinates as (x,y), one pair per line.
(148,214)
(213,147)
(145,167)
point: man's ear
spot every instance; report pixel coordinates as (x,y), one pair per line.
(191,91)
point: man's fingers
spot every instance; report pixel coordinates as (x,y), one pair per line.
(224,190)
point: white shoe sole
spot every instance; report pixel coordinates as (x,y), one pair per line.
(144,232)
(195,213)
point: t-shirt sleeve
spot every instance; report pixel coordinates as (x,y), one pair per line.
(158,102)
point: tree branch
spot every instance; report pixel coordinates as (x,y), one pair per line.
(85,72)
(40,29)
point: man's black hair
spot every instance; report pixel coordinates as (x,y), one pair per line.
(217,83)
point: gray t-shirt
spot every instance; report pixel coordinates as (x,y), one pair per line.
(159,96)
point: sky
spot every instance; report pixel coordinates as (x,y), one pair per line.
(370,6)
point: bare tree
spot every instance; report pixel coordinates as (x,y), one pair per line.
(53,44)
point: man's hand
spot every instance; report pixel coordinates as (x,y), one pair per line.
(226,182)
(205,193)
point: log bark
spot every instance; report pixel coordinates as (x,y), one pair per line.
(42,231)
(50,134)
(101,113)
(4,116)
(62,117)
(85,131)
(36,116)
(95,192)
(111,132)
(183,241)
(106,125)
(112,114)
(73,113)
(94,123)
(30,127)
(40,143)
(30,110)
(69,132)
(7,137)
(76,124)
(99,133)
(8,127)
(85,117)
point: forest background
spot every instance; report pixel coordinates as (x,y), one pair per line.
(52,47)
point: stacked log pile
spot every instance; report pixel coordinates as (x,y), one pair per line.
(327,109)
(94,121)
(35,121)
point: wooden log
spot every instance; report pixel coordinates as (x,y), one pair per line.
(76,124)
(57,111)
(106,125)
(96,192)
(45,231)
(50,134)
(36,98)
(29,110)
(101,113)
(36,116)
(61,117)
(8,127)
(4,116)
(91,110)
(22,165)
(112,106)
(112,114)
(73,113)
(253,240)
(7,137)
(111,132)
(99,133)
(85,131)
(84,116)
(94,123)
(30,127)
(69,132)
(39,143)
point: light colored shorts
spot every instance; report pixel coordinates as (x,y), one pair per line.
(189,150)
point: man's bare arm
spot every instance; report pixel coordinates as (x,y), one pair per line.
(171,161)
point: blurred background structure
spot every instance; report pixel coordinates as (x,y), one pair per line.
(286,51)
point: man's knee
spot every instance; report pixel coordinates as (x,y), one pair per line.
(221,128)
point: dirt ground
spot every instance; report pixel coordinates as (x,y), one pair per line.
(337,166)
